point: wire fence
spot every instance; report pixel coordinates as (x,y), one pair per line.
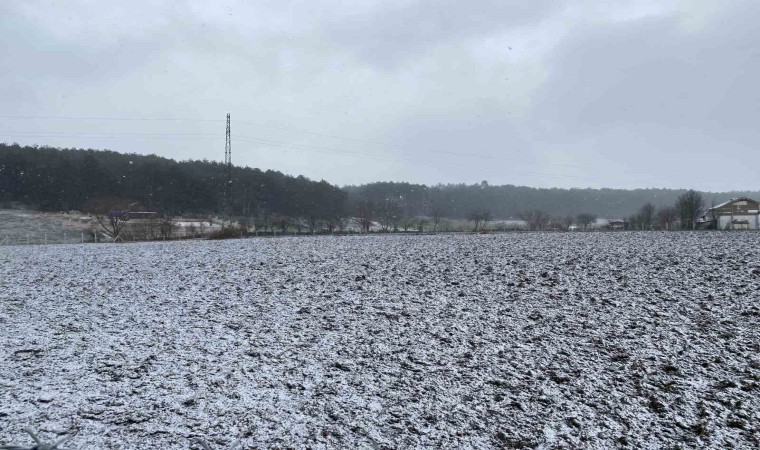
(21,238)
(129,234)
(40,445)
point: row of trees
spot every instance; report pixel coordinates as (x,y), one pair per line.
(683,214)
(458,201)
(66,179)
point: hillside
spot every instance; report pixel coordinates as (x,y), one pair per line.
(458,200)
(61,179)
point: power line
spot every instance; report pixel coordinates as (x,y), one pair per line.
(109,118)
(303,147)
(227,193)
(398,146)
(295,130)
(395,159)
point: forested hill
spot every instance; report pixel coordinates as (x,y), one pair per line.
(65,179)
(504,202)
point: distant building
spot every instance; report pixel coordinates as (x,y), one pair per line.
(736,214)
(616,224)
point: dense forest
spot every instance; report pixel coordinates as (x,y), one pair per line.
(458,201)
(64,179)
(70,179)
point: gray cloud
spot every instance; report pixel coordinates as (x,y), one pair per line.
(536,93)
(389,35)
(651,72)
(663,101)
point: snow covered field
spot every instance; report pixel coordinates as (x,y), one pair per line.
(592,340)
(21,226)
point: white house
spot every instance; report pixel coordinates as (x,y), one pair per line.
(736,214)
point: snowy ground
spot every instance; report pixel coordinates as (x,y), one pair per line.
(22,226)
(593,340)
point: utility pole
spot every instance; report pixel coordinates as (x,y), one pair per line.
(227,193)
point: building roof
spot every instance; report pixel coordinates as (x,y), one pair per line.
(733,200)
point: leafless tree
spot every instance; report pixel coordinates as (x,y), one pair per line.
(384,213)
(713,216)
(586,219)
(111,213)
(689,207)
(420,223)
(298,224)
(263,220)
(408,222)
(645,216)
(364,212)
(535,218)
(666,215)
(404,218)
(341,224)
(313,223)
(282,222)
(436,214)
(480,218)
(166,227)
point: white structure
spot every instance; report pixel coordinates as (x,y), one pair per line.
(736,214)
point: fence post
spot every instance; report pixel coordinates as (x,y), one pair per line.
(45,238)
(82,237)
(64,238)
(27,239)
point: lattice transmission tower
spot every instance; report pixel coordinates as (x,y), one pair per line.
(227,194)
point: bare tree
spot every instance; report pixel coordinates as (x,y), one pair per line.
(263,220)
(166,227)
(535,218)
(486,216)
(385,214)
(689,207)
(364,212)
(436,214)
(420,223)
(645,216)
(666,216)
(403,218)
(298,224)
(479,217)
(282,222)
(407,222)
(586,219)
(341,224)
(713,216)
(244,225)
(111,213)
(313,223)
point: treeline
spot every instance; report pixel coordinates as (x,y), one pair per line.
(71,179)
(683,214)
(461,201)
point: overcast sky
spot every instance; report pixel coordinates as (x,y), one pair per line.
(540,93)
